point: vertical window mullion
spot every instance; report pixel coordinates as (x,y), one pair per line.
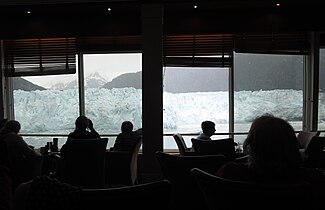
(231,98)
(311,86)
(9,98)
(81,84)
(306,95)
(315,80)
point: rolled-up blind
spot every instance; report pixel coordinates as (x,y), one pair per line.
(295,43)
(207,50)
(35,57)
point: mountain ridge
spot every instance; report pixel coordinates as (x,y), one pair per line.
(23,84)
(125,80)
(94,80)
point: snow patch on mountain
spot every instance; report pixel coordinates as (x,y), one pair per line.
(94,80)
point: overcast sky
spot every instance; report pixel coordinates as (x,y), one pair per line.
(108,66)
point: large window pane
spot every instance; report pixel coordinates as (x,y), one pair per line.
(267,84)
(113,91)
(321,103)
(46,105)
(193,95)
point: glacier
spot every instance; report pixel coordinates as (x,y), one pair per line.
(55,111)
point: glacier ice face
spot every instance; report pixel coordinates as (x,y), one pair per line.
(55,111)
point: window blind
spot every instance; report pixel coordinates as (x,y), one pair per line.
(35,57)
(109,44)
(295,43)
(209,50)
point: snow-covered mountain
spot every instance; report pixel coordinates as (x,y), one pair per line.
(64,85)
(94,80)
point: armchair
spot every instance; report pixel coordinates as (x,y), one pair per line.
(83,163)
(33,195)
(177,169)
(220,193)
(314,153)
(225,147)
(121,167)
(183,149)
(150,195)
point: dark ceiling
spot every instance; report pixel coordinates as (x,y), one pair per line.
(91,17)
(179,5)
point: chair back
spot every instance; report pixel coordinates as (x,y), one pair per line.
(225,147)
(177,169)
(121,167)
(180,143)
(304,137)
(315,156)
(220,193)
(151,195)
(316,145)
(84,163)
(134,161)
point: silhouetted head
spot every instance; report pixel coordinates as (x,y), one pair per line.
(208,127)
(12,126)
(126,126)
(272,147)
(81,123)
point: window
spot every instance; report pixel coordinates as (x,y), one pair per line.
(50,104)
(196,76)
(42,103)
(192,95)
(113,91)
(267,83)
(46,105)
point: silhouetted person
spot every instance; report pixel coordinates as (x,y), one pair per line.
(16,146)
(84,129)
(126,140)
(273,156)
(17,150)
(208,129)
